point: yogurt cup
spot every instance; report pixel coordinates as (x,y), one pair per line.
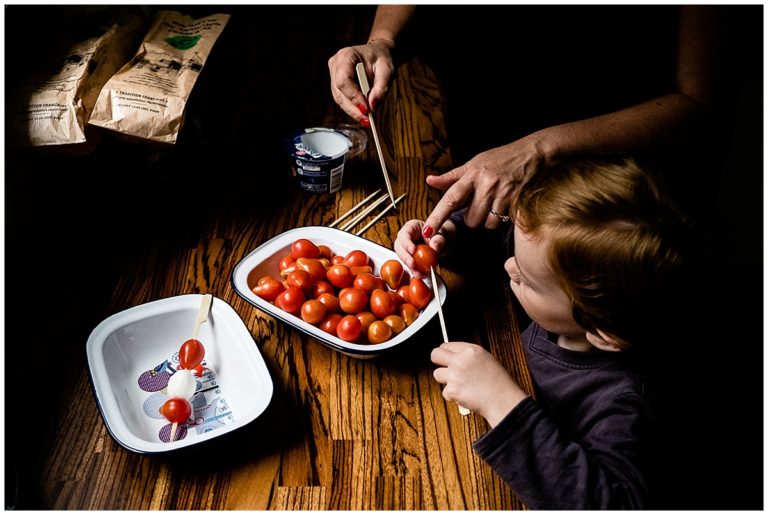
(317,159)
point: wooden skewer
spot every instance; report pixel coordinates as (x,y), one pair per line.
(174,426)
(383,212)
(345,215)
(356,220)
(462,410)
(202,313)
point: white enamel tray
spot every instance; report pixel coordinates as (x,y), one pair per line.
(132,354)
(264,261)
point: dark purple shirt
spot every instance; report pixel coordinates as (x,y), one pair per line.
(580,444)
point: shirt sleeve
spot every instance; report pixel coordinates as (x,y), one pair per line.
(548,470)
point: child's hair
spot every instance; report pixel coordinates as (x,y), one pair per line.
(619,247)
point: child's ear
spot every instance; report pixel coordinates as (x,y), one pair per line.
(606,342)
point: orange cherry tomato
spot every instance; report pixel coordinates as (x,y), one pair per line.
(353,300)
(291,300)
(349,328)
(357,270)
(313,311)
(366,319)
(425,258)
(408,312)
(268,288)
(379,332)
(304,248)
(392,272)
(339,276)
(418,293)
(191,354)
(356,258)
(301,279)
(380,284)
(382,304)
(396,323)
(325,251)
(330,324)
(395,297)
(330,301)
(402,292)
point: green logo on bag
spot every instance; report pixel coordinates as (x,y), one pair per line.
(183,42)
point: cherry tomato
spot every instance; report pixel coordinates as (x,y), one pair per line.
(330,324)
(176,410)
(268,288)
(340,276)
(330,301)
(380,284)
(313,311)
(337,260)
(418,293)
(365,281)
(291,300)
(287,261)
(382,304)
(353,300)
(314,266)
(366,319)
(191,354)
(395,297)
(304,248)
(402,292)
(356,258)
(396,323)
(325,251)
(379,332)
(322,287)
(392,272)
(301,279)
(357,270)
(425,258)
(349,328)
(408,312)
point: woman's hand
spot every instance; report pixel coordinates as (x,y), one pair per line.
(473,378)
(409,236)
(379,67)
(487,182)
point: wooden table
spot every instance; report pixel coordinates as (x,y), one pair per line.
(340,433)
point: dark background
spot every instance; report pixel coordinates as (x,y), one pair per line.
(73,222)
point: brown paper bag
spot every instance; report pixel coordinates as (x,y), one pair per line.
(50,105)
(146,98)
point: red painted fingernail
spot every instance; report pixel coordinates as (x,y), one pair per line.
(363,109)
(365,122)
(427,232)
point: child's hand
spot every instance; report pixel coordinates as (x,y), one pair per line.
(409,236)
(474,379)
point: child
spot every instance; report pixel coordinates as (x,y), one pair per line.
(599,264)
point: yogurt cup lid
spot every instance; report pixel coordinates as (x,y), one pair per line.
(319,143)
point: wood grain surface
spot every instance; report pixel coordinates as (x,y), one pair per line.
(340,433)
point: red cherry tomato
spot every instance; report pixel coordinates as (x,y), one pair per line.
(313,266)
(191,354)
(176,410)
(379,332)
(340,276)
(356,258)
(287,261)
(330,301)
(392,272)
(395,297)
(353,300)
(301,279)
(402,292)
(349,328)
(365,281)
(268,288)
(330,324)
(313,311)
(291,300)
(382,304)
(304,248)
(425,258)
(325,251)
(418,293)
(322,287)
(396,323)
(337,260)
